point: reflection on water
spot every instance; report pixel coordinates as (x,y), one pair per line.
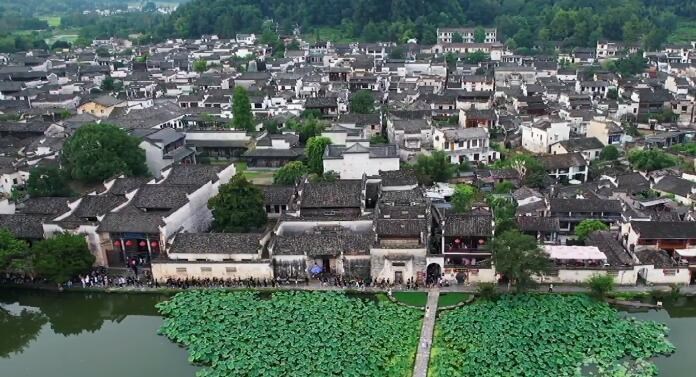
(77,334)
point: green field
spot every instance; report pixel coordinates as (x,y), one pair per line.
(418,299)
(451,298)
(53,21)
(544,335)
(292,334)
(686,32)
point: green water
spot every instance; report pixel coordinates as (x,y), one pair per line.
(44,334)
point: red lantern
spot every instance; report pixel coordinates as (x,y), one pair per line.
(142,244)
(457,241)
(153,244)
(117,243)
(129,243)
(482,241)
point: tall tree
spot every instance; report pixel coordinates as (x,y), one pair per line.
(47,181)
(434,168)
(238,207)
(362,102)
(100,151)
(62,257)
(609,153)
(588,226)
(651,159)
(11,249)
(242,118)
(463,197)
(479,35)
(518,257)
(457,38)
(290,173)
(315,154)
(200,66)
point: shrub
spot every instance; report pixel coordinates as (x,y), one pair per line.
(600,285)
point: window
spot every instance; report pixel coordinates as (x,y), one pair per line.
(329,213)
(181,270)
(206,270)
(669,272)
(230,270)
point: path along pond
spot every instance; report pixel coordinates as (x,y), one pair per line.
(114,335)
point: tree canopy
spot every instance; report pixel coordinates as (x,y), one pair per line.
(11,249)
(238,207)
(528,167)
(463,197)
(588,226)
(242,118)
(650,159)
(307,128)
(518,257)
(100,151)
(609,153)
(434,168)
(62,257)
(200,65)
(290,173)
(315,153)
(362,102)
(47,181)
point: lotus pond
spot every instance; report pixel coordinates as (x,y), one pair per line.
(545,335)
(292,334)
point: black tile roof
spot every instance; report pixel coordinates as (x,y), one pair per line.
(538,224)
(217,243)
(23,226)
(49,206)
(607,243)
(665,229)
(187,174)
(562,161)
(468,225)
(276,194)
(338,194)
(585,205)
(318,243)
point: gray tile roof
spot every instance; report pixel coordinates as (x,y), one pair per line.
(217,243)
(163,196)
(23,226)
(468,225)
(48,206)
(562,161)
(338,194)
(538,224)
(581,144)
(331,243)
(665,229)
(585,205)
(188,174)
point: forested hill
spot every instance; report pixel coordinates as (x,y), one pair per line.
(524,23)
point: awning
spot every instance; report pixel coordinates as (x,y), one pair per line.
(574,252)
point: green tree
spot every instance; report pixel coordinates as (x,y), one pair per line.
(100,151)
(609,153)
(378,139)
(242,118)
(518,257)
(11,249)
(434,168)
(650,159)
(271,126)
(600,284)
(315,154)
(613,93)
(504,187)
(463,197)
(504,213)
(487,291)
(307,128)
(110,85)
(476,57)
(479,35)
(362,102)
(238,207)
(62,257)
(290,173)
(457,38)
(200,66)
(47,181)
(59,44)
(588,226)
(397,53)
(527,166)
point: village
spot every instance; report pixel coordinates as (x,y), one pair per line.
(606,147)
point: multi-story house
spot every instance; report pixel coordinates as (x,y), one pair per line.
(537,137)
(446,35)
(465,145)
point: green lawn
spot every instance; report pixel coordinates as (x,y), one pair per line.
(685,32)
(451,298)
(53,21)
(258,177)
(412,298)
